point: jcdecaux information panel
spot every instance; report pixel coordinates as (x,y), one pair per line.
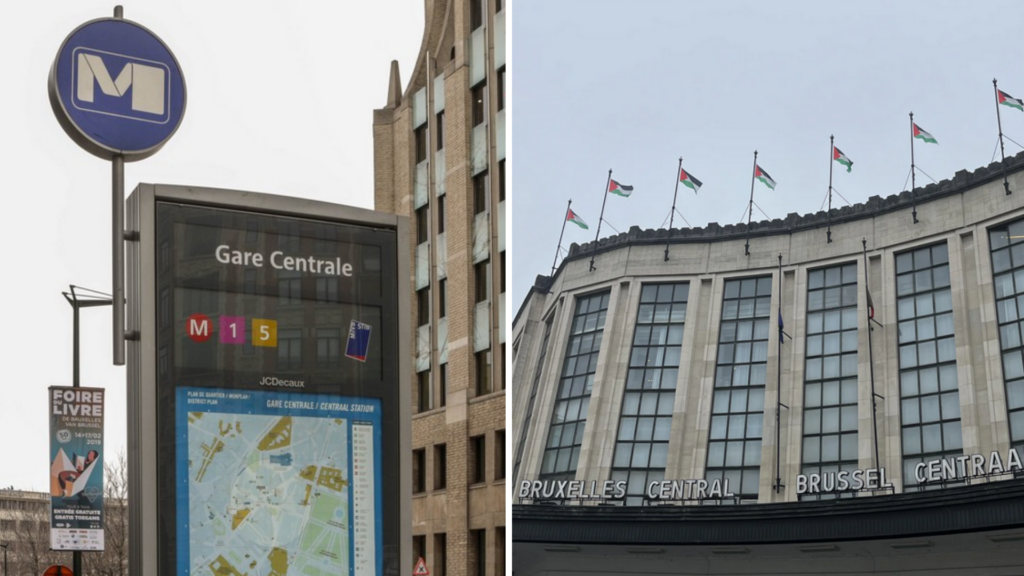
(277,394)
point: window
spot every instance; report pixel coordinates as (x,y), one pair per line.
(328,348)
(423,306)
(422,225)
(327,289)
(1008,279)
(565,436)
(480,193)
(478,95)
(830,377)
(502,279)
(478,552)
(419,547)
(476,16)
(641,450)
(480,280)
(442,295)
(503,366)
(419,471)
(737,412)
(289,287)
(440,214)
(477,459)
(421,143)
(499,455)
(501,88)
(289,349)
(443,388)
(423,388)
(440,466)
(929,392)
(440,130)
(251,230)
(483,372)
(501,181)
(440,553)
(499,550)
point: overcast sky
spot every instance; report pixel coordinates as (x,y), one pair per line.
(632,86)
(280,100)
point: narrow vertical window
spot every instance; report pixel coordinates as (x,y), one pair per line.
(641,448)
(1007,245)
(562,449)
(929,394)
(737,410)
(830,377)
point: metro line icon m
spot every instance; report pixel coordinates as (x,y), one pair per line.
(147,80)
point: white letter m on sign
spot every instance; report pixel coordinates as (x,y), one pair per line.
(146,82)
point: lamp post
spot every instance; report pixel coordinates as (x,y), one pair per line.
(86,298)
(4,546)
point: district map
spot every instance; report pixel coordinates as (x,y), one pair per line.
(267,494)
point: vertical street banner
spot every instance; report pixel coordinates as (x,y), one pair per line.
(76,468)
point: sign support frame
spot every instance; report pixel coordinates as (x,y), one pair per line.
(142,354)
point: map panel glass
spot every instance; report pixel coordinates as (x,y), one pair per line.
(277,483)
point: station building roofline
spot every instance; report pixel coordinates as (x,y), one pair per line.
(962,181)
(978,507)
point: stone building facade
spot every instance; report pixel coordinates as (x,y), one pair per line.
(902,351)
(439,158)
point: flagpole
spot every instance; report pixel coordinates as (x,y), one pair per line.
(562,233)
(673,213)
(831,155)
(599,220)
(778,394)
(1002,152)
(750,209)
(871,354)
(913,195)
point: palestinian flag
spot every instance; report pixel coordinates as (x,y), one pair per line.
(575,219)
(919,133)
(763,177)
(871,305)
(689,181)
(1008,100)
(838,156)
(620,189)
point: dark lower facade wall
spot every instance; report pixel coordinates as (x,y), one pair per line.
(975,529)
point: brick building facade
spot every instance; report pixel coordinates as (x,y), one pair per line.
(439,158)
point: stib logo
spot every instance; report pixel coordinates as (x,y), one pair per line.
(139,92)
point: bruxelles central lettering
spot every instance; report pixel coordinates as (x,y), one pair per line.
(665,489)
(335,267)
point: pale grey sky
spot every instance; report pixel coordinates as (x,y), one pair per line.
(632,86)
(280,100)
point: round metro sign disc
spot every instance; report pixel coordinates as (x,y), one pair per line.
(116,88)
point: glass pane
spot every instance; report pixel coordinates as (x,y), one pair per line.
(926,353)
(833,297)
(754,423)
(812,422)
(849,447)
(912,440)
(947,377)
(850,295)
(929,380)
(644,429)
(849,341)
(739,401)
(815,300)
(947,350)
(922,258)
(940,277)
(734,453)
(744,330)
(759,352)
(850,274)
(813,369)
(849,318)
(904,284)
(908,356)
(752,454)
(631,404)
(659,455)
(830,420)
(812,449)
(665,404)
(923,280)
(1009,336)
(737,424)
(950,405)
(755,402)
(830,367)
(833,321)
(926,328)
(849,418)
(849,367)
(911,412)
(764,286)
(905,308)
(649,293)
(732,289)
(716,454)
(649,404)
(760,329)
(1006,310)
(829,448)
(1015,394)
(814,347)
(908,383)
(675,335)
(812,395)
(907,331)
(750,482)
(929,408)
(952,436)
(931,438)
(904,262)
(832,343)
(943,301)
(924,304)
(1001,261)
(814,323)
(742,355)
(830,393)
(849,391)
(815,279)
(721,403)
(1017,425)
(940,254)
(763,307)
(748,287)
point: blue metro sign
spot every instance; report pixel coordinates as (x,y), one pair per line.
(116,88)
